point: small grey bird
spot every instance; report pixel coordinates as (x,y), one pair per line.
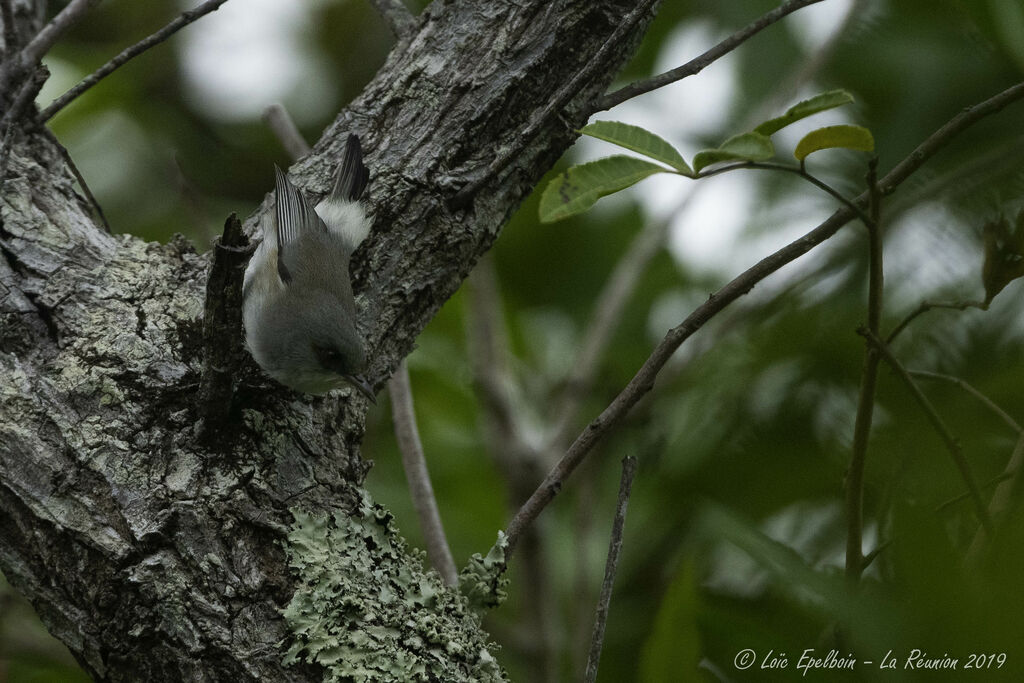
(298,308)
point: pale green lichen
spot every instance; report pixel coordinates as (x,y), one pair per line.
(483,581)
(365,610)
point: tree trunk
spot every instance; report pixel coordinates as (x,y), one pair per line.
(155,557)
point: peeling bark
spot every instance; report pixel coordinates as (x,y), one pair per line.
(152,556)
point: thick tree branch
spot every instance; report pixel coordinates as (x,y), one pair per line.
(643,380)
(128,54)
(154,557)
(566,94)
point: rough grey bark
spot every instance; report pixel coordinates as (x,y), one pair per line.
(154,557)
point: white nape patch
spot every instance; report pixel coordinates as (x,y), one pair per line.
(345,219)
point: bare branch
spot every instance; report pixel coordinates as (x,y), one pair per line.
(51,33)
(416,473)
(985,400)
(1001,501)
(287,133)
(952,444)
(611,565)
(617,291)
(397,16)
(929,305)
(643,380)
(796,170)
(128,54)
(855,561)
(561,98)
(86,190)
(1006,482)
(696,65)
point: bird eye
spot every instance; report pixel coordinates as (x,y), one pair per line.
(327,355)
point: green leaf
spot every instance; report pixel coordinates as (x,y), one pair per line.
(578,188)
(1004,255)
(849,137)
(640,140)
(744,147)
(801,110)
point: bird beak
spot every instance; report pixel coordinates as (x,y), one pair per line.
(360,383)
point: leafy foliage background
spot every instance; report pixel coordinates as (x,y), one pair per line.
(735,534)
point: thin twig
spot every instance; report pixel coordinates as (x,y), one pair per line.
(415,465)
(561,98)
(1001,501)
(130,53)
(960,497)
(397,16)
(855,561)
(287,133)
(222,329)
(51,33)
(607,309)
(611,565)
(985,400)
(927,306)
(696,65)
(643,380)
(870,557)
(951,443)
(584,502)
(66,155)
(795,170)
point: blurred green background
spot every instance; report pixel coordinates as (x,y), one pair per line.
(735,535)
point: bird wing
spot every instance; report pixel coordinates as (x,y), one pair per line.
(296,223)
(352,176)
